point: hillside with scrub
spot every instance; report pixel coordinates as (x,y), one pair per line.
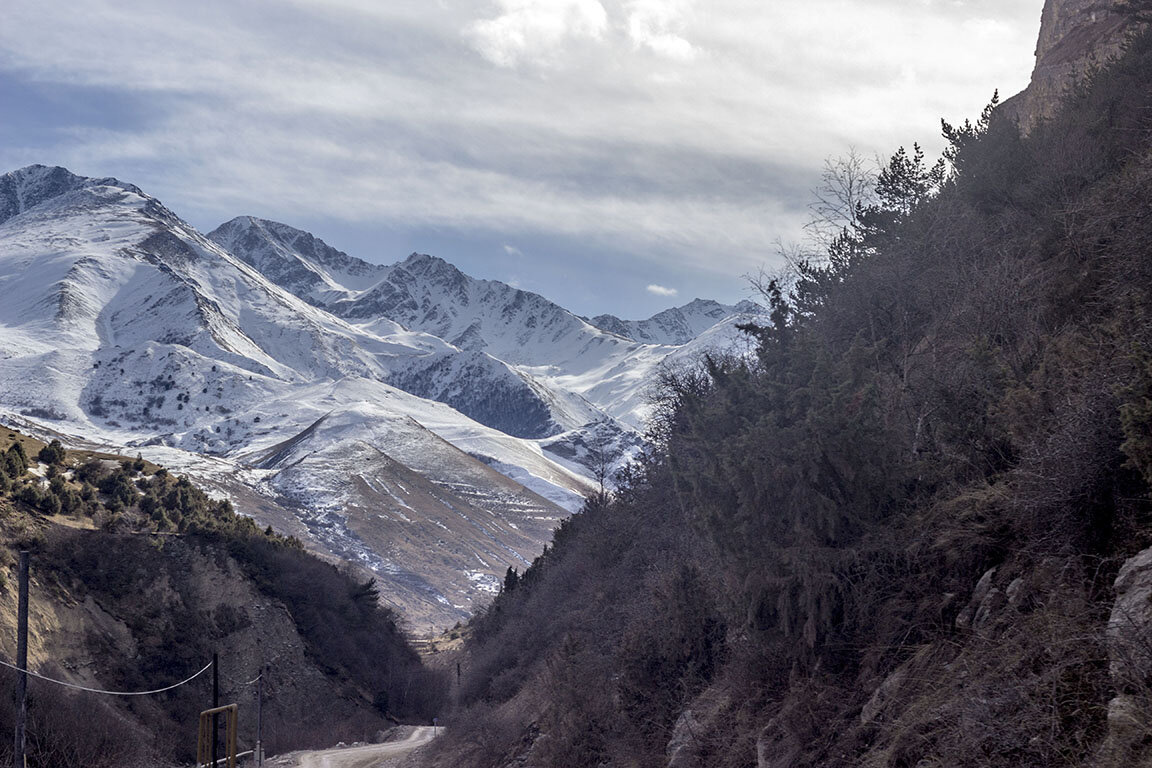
(138,577)
(913,528)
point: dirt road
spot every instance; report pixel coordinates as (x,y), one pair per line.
(367,756)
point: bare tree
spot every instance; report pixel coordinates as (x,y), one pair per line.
(847,186)
(600,462)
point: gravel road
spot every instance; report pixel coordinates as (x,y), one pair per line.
(366,756)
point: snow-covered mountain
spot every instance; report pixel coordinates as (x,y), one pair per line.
(124,326)
(565,355)
(676,326)
(427,425)
(295,260)
(462,374)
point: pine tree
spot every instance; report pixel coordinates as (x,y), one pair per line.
(16,459)
(511,580)
(52,454)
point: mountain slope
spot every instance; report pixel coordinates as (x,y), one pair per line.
(138,578)
(584,374)
(138,331)
(675,326)
(461,375)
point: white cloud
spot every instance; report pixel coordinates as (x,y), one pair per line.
(536,30)
(512,250)
(382,114)
(657,25)
(660,290)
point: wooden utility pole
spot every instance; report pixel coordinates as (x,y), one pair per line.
(22,662)
(260,715)
(215,704)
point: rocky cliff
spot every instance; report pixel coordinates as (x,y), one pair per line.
(1075,35)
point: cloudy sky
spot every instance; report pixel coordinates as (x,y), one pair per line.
(614,155)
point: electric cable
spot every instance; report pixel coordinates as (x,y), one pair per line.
(37,675)
(236,683)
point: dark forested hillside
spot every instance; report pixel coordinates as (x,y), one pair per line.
(894,537)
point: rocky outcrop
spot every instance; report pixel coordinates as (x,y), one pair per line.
(1130,665)
(683,748)
(1130,625)
(1075,35)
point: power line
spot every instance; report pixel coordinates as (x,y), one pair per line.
(237,684)
(107,693)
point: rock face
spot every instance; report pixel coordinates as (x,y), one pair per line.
(1130,664)
(1130,624)
(986,600)
(682,749)
(1074,35)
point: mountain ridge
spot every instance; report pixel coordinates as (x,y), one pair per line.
(144,334)
(675,326)
(559,351)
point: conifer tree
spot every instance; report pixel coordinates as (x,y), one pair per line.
(52,454)
(511,580)
(17,459)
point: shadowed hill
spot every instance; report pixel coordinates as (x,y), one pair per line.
(903,534)
(138,577)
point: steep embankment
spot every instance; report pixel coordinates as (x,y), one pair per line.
(138,578)
(913,531)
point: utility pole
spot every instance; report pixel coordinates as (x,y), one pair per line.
(18,760)
(215,704)
(260,715)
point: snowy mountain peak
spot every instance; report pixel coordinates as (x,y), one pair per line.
(28,187)
(678,325)
(422,293)
(295,259)
(402,301)
(580,371)
(422,263)
(424,270)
